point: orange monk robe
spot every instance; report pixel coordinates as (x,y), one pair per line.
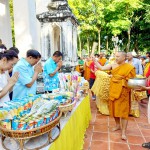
(119,92)
(102,61)
(146,68)
(87,70)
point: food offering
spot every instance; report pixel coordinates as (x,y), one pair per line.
(29,113)
(30,117)
(65,100)
(66,105)
(72,82)
(36,115)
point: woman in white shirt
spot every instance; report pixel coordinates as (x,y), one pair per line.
(7,60)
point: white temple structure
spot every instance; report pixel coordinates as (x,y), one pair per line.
(45,25)
(59,31)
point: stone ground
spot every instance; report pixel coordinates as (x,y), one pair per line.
(100,137)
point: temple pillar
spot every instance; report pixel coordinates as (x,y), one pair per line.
(75,59)
(5,25)
(69,39)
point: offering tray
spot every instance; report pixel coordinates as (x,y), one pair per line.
(67,107)
(21,136)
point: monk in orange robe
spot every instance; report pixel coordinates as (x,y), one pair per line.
(102,60)
(87,68)
(119,92)
(147,64)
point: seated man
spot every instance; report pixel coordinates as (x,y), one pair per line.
(26,83)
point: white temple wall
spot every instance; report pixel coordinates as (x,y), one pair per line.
(51,39)
(45,40)
(25,23)
(5,26)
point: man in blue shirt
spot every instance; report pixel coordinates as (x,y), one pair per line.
(50,72)
(26,83)
(135,62)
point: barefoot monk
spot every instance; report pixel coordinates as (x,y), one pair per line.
(119,92)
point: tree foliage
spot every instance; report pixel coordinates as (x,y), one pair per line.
(12,21)
(101,19)
(127,19)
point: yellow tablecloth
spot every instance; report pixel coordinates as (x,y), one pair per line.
(72,135)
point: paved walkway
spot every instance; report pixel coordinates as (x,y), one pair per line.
(100,137)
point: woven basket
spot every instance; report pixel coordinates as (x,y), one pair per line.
(68,107)
(26,134)
(22,135)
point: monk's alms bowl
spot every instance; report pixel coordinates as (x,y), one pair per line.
(134,83)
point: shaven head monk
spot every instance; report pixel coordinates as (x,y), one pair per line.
(119,92)
(102,60)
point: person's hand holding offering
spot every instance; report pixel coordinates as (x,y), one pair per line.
(142,88)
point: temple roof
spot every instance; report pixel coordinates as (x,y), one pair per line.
(59,11)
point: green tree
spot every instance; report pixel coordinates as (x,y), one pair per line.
(120,14)
(12,20)
(127,19)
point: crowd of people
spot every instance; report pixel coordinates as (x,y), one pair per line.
(18,77)
(120,68)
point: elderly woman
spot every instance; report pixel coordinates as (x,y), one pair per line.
(7,60)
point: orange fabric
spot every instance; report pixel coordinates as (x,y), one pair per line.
(119,92)
(102,61)
(87,70)
(146,68)
(78,68)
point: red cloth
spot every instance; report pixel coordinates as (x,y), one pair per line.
(148,82)
(94,68)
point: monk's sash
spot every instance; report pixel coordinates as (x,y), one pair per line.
(120,76)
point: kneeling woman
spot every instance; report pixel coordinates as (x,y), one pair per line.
(7,60)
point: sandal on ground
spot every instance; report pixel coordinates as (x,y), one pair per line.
(146,145)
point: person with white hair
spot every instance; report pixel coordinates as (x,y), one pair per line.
(135,62)
(136,96)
